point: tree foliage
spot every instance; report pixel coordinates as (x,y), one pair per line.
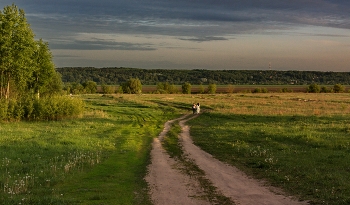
(26,64)
(338,88)
(27,72)
(133,86)
(17,46)
(117,76)
(212,88)
(314,88)
(166,88)
(186,88)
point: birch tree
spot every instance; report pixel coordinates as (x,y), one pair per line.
(17,46)
(43,69)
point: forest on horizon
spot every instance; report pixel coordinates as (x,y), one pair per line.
(119,75)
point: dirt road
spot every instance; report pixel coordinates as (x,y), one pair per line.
(171,187)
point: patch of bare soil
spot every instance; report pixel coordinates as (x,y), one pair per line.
(169,186)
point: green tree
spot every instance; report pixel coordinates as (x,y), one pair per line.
(90,87)
(338,88)
(314,88)
(17,46)
(166,88)
(77,88)
(211,88)
(133,86)
(186,88)
(201,88)
(107,89)
(45,78)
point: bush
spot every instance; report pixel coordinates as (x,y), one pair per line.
(201,88)
(313,88)
(325,89)
(286,90)
(45,108)
(108,89)
(230,88)
(338,88)
(166,88)
(133,86)
(211,88)
(186,88)
(257,90)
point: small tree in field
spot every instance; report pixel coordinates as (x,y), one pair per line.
(201,88)
(186,88)
(107,89)
(90,87)
(314,88)
(338,88)
(133,86)
(212,88)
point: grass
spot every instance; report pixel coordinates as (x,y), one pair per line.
(304,152)
(99,159)
(297,141)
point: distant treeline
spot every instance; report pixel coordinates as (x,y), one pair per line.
(117,76)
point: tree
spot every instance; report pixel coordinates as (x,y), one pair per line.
(17,46)
(201,88)
(166,88)
(186,88)
(106,89)
(45,78)
(90,87)
(212,88)
(314,88)
(133,86)
(338,88)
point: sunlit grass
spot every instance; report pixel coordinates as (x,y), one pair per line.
(98,159)
(298,143)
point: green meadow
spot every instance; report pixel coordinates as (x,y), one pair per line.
(98,159)
(299,142)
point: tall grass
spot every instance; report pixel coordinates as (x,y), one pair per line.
(46,108)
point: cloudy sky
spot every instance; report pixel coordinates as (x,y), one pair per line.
(194,34)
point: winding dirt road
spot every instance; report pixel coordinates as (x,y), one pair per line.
(171,187)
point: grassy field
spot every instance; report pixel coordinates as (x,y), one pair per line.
(296,141)
(99,159)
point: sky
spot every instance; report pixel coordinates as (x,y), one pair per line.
(309,35)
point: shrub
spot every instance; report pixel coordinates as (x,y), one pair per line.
(257,90)
(45,108)
(338,88)
(108,89)
(133,86)
(325,89)
(186,88)
(230,88)
(165,88)
(313,88)
(211,88)
(286,90)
